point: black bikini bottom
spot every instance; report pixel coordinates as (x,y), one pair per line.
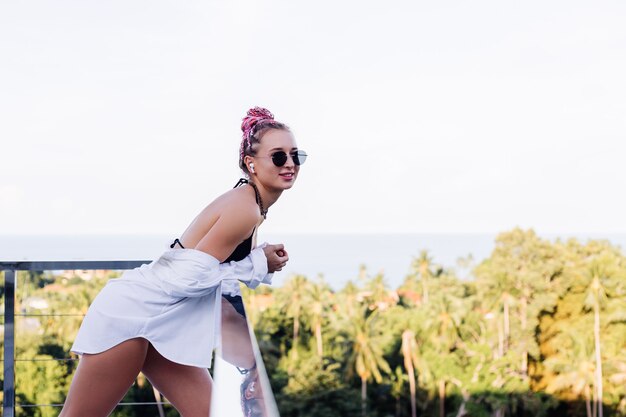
(237,302)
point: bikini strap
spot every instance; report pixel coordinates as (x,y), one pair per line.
(241,181)
(175,242)
(256,194)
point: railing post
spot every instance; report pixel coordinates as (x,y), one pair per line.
(8,407)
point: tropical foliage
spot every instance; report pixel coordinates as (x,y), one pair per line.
(537,329)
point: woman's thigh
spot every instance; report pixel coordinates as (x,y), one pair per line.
(188,388)
(101,380)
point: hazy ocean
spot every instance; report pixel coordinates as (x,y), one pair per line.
(336,257)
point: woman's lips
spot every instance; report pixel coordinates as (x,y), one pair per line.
(287,175)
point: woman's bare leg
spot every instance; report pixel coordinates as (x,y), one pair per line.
(188,388)
(101,380)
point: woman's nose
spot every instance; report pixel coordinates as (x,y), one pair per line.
(290,161)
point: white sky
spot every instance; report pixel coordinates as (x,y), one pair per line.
(451,116)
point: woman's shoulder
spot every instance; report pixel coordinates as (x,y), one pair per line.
(240,201)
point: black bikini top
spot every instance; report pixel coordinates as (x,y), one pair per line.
(244,248)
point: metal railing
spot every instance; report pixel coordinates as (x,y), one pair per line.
(10,268)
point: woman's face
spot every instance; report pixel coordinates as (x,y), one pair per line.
(265,171)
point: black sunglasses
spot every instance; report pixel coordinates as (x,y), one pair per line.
(280,158)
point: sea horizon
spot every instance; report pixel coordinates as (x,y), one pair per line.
(335,257)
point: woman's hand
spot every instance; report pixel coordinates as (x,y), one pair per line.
(276,257)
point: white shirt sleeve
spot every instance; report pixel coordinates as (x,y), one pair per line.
(252,271)
(194,273)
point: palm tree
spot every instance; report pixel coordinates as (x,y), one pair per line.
(319,299)
(603,273)
(159,401)
(348,299)
(366,356)
(409,352)
(421,270)
(378,294)
(574,367)
(496,291)
(446,311)
(294,294)
(517,280)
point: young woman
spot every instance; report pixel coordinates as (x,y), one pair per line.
(163,319)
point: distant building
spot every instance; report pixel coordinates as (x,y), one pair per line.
(411,295)
(37,303)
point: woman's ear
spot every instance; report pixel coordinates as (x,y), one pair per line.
(247,160)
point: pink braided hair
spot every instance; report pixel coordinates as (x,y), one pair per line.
(254,116)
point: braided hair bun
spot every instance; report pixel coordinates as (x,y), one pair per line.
(254,116)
